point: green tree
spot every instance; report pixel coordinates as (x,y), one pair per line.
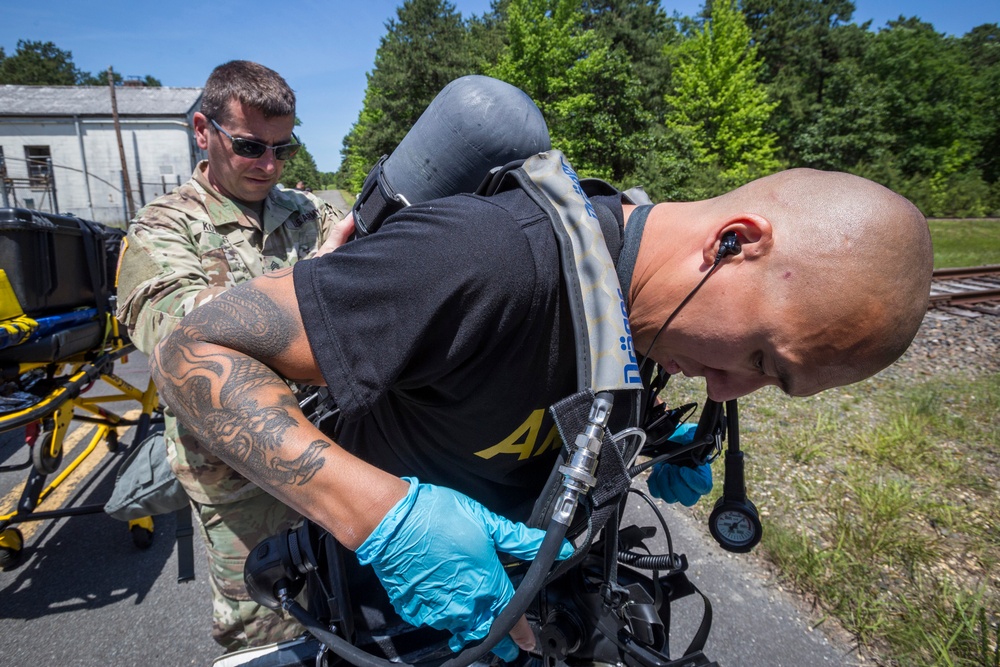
(487,35)
(718,108)
(101,79)
(45,64)
(302,167)
(922,113)
(848,125)
(804,45)
(982,48)
(639,29)
(358,158)
(39,64)
(582,86)
(424,49)
(926,84)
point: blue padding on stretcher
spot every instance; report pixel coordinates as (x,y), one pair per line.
(58,345)
(15,332)
(53,323)
(44,327)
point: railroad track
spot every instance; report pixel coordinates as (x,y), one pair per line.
(974,288)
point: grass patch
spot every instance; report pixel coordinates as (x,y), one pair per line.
(882,502)
(965,242)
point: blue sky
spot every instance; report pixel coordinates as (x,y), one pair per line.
(323,48)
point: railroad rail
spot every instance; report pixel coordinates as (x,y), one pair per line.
(975,288)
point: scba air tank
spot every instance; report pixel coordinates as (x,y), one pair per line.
(474,124)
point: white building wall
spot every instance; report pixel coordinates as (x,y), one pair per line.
(160,154)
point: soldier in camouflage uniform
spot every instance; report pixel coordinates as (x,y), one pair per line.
(228,224)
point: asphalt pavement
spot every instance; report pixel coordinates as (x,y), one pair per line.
(85,595)
(335,197)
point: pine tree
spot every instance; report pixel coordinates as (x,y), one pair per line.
(982,46)
(424,49)
(45,64)
(639,29)
(808,47)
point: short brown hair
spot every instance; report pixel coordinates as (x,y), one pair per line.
(249,83)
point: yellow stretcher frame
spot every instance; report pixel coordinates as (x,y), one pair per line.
(54,414)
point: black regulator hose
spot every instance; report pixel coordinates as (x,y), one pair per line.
(532,582)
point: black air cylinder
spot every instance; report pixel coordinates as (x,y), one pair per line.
(474,124)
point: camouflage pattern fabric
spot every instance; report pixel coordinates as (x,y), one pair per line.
(229,532)
(182,250)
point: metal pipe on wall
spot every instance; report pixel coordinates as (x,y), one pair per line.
(83,159)
(138,170)
(3,182)
(127,188)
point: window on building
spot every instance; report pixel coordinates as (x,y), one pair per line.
(39,159)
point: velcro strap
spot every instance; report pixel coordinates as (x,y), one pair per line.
(376,202)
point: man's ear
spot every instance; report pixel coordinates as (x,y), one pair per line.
(201,129)
(754,235)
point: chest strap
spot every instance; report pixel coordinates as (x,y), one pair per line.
(606,360)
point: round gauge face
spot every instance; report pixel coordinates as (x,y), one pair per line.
(734,526)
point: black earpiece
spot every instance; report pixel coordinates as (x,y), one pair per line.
(730,245)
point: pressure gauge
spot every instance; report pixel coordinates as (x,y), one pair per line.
(735,525)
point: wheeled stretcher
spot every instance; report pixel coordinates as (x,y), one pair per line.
(59,343)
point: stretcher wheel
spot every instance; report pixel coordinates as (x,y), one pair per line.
(141,531)
(11,548)
(141,537)
(112,440)
(41,454)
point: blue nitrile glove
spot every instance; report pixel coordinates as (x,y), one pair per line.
(673,483)
(435,553)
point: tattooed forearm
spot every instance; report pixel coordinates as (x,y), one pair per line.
(297,471)
(225,397)
(237,407)
(245,376)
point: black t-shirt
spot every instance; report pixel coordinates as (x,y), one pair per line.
(444,338)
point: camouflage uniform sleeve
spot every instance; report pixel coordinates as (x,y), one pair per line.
(329,215)
(161,277)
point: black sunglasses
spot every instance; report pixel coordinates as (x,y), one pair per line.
(254,149)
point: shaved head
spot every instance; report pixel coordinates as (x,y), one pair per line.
(851,262)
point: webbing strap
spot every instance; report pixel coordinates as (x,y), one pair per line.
(95,263)
(376,202)
(570,416)
(605,358)
(680,586)
(185,544)
(630,247)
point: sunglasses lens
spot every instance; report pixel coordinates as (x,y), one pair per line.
(248,148)
(286,152)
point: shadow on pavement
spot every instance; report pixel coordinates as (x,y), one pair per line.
(66,563)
